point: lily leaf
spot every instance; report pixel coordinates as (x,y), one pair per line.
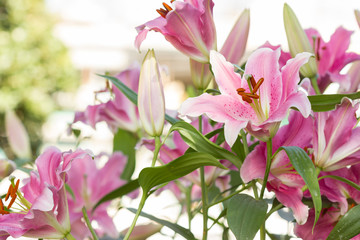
(181,166)
(245,216)
(327,102)
(131,95)
(348,226)
(175,227)
(125,142)
(200,143)
(305,167)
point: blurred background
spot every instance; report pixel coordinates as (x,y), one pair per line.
(51,51)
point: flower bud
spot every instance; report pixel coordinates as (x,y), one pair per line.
(151,102)
(200,74)
(235,44)
(298,41)
(17,135)
(357,16)
(6,168)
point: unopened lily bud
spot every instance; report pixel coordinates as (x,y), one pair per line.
(357,16)
(200,74)
(151,101)
(235,44)
(17,135)
(6,167)
(298,41)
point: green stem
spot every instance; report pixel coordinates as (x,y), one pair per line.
(88,223)
(188,204)
(315,85)
(228,197)
(266,175)
(273,210)
(268,165)
(141,205)
(156,151)
(69,237)
(204,202)
(246,151)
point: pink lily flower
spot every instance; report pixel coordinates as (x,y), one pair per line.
(43,208)
(89,184)
(336,141)
(259,109)
(353,76)
(328,219)
(331,57)
(283,179)
(187,25)
(119,112)
(284,56)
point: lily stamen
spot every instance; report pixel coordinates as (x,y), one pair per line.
(163,12)
(247,97)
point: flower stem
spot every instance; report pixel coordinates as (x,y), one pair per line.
(204,202)
(156,151)
(315,85)
(266,175)
(69,237)
(88,224)
(268,165)
(246,151)
(188,204)
(141,205)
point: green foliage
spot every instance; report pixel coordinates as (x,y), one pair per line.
(246,215)
(33,64)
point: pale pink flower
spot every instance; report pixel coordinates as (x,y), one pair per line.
(283,179)
(44,208)
(332,56)
(119,112)
(89,184)
(187,25)
(336,139)
(259,111)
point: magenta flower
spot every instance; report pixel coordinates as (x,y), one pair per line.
(353,78)
(42,210)
(89,184)
(187,25)
(259,109)
(119,112)
(283,178)
(331,57)
(336,139)
(327,221)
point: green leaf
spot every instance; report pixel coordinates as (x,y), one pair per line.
(245,216)
(131,95)
(181,166)
(121,191)
(348,226)
(327,102)
(194,139)
(305,167)
(125,142)
(175,227)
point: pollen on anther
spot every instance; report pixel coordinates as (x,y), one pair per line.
(167,7)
